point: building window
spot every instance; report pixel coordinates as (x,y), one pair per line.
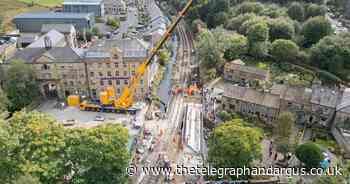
(133,72)
(100,74)
(109,74)
(71,83)
(116,65)
(99,65)
(108,65)
(117,73)
(125,73)
(64,76)
(126,82)
(62,67)
(94,92)
(92,74)
(118,82)
(65,83)
(118,91)
(45,67)
(141,82)
(141,90)
(82,76)
(125,65)
(102,83)
(109,82)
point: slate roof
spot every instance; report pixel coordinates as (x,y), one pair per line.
(252,96)
(52,15)
(248,69)
(344,105)
(82,2)
(64,54)
(62,28)
(325,96)
(58,54)
(130,47)
(28,55)
(54,36)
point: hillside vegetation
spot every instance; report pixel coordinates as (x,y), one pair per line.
(46,3)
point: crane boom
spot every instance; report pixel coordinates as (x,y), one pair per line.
(126,99)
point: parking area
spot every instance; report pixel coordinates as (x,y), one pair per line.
(74,117)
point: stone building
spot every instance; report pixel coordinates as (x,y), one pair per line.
(32,22)
(51,39)
(295,99)
(324,102)
(251,102)
(311,106)
(63,71)
(341,124)
(84,6)
(115,7)
(67,30)
(236,71)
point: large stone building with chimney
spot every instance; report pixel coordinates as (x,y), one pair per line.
(63,71)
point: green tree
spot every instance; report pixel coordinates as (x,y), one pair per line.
(258,32)
(35,147)
(114,22)
(208,50)
(281,28)
(315,29)
(26,179)
(329,180)
(284,50)
(250,7)
(4,102)
(97,155)
(164,56)
(236,22)
(95,31)
(314,10)
(284,125)
(234,140)
(283,131)
(331,53)
(20,85)
(259,49)
(237,46)
(310,154)
(296,11)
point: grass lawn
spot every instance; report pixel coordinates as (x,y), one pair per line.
(46,3)
(10,8)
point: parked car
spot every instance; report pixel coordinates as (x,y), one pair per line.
(69,122)
(99,118)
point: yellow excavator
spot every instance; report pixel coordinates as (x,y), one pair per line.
(125,101)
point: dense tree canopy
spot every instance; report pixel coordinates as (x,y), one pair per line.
(20,85)
(237,46)
(34,147)
(234,145)
(281,28)
(284,50)
(315,29)
(4,102)
(296,11)
(314,10)
(98,155)
(310,154)
(332,53)
(258,32)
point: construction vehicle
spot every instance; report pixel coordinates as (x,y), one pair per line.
(107,102)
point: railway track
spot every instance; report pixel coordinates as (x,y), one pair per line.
(175,112)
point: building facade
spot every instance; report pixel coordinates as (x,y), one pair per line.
(115,7)
(84,6)
(67,30)
(63,71)
(33,22)
(236,71)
